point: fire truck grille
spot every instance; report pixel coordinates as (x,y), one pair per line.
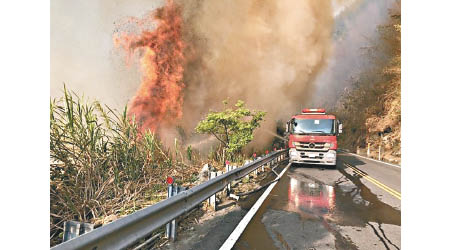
(311,146)
(317,157)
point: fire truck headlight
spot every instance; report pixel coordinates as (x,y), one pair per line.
(331,154)
(329,145)
(293,152)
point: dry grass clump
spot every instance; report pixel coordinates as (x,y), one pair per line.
(101,166)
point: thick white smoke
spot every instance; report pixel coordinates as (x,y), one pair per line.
(355,30)
(266,53)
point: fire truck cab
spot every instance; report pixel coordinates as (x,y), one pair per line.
(313,137)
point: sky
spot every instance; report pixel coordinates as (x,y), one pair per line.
(82,54)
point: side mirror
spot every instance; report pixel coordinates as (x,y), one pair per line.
(340,128)
(287,128)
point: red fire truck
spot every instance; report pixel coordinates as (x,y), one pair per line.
(312,137)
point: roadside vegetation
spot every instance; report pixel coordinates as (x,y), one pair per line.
(233,128)
(102,167)
(371,108)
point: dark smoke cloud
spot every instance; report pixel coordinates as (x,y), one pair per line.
(267,53)
(264,52)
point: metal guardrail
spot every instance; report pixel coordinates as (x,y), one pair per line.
(126,231)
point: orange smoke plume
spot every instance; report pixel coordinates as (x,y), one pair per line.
(159,98)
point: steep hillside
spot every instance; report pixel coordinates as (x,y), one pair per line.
(371,109)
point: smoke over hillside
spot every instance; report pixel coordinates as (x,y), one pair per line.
(263,52)
(354,33)
(266,53)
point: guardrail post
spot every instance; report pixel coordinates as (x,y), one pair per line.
(368,150)
(212,199)
(228,168)
(73,229)
(173,229)
(233,182)
(248,175)
(379,153)
(220,173)
(169,225)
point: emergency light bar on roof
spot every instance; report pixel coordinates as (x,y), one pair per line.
(313,111)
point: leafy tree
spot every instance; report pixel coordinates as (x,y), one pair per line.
(232,127)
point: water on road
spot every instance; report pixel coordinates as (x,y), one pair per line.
(320,208)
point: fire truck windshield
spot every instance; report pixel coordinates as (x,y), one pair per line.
(313,126)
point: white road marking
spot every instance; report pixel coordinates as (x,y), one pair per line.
(234,236)
(393,165)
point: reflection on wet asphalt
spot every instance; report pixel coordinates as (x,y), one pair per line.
(302,212)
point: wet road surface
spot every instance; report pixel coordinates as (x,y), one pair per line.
(356,206)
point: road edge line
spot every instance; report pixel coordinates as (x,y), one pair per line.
(234,236)
(390,164)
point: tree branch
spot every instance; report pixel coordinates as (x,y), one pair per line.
(218,138)
(226,132)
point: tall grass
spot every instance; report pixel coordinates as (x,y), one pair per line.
(102,167)
(100,164)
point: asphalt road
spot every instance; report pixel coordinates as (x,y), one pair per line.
(356,206)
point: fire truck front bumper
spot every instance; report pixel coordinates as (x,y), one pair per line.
(310,157)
